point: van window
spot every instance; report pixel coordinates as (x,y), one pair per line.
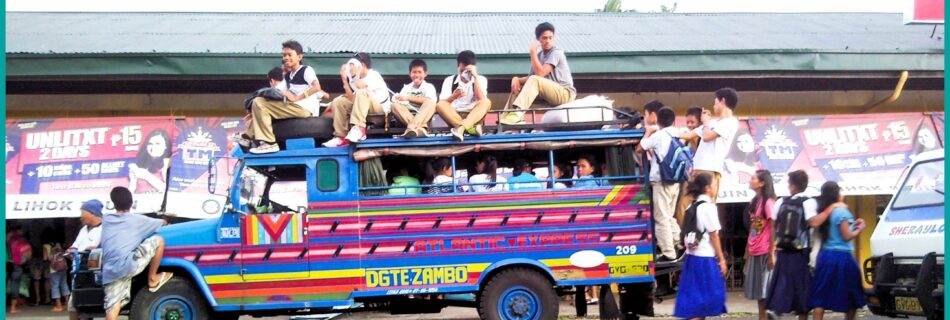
(328,175)
(923,187)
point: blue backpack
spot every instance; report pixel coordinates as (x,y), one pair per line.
(677,165)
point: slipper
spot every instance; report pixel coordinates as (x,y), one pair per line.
(161,283)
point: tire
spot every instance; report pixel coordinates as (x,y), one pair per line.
(318,128)
(518,294)
(176,300)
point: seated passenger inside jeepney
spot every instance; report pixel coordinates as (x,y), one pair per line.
(401,178)
(562,171)
(587,167)
(466,91)
(550,77)
(522,177)
(486,171)
(364,92)
(439,172)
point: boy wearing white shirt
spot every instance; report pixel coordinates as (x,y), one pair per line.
(300,83)
(715,137)
(657,141)
(466,91)
(414,96)
(365,92)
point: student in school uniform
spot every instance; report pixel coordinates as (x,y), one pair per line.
(702,288)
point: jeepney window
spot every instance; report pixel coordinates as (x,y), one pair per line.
(923,186)
(274,188)
(328,175)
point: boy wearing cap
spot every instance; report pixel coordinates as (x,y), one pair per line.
(129,245)
(550,76)
(89,237)
(365,92)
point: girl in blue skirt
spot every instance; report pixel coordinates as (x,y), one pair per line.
(837,282)
(702,289)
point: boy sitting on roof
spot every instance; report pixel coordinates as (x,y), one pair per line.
(414,96)
(300,83)
(465,92)
(365,92)
(550,76)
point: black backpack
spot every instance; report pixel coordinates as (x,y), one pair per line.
(691,223)
(791,228)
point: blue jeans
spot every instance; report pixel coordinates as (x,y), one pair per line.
(58,285)
(14,285)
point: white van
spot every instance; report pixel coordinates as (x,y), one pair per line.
(907,248)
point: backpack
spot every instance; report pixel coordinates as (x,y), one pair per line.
(677,165)
(791,228)
(57,261)
(22,252)
(690,224)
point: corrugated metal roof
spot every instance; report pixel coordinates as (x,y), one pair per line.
(485,33)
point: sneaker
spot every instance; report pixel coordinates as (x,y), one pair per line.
(475,131)
(410,133)
(356,134)
(336,142)
(592,301)
(422,132)
(458,133)
(242,140)
(265,148)
(512,118)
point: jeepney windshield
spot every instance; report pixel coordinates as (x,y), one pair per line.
(923,186)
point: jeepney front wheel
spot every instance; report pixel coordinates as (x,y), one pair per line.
(176,300)
(518,294)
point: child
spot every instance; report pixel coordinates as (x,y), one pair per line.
(413,96)
(586,167)
(790,278)
(439,171)
(486,171)
(760,235)
(659,135)
(702,289)
(837,283)
(365,92)
(522,179)
(466,91)
(562,171)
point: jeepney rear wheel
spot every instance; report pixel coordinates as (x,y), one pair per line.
(176,300)
(518,294)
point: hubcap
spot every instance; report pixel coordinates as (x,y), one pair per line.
(172,308)
(519,303)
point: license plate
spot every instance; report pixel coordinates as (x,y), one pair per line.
(908,304)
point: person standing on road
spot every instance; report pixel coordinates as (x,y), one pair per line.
(790,278)
(837,283)
(702,288)
(759,216)
(88,239)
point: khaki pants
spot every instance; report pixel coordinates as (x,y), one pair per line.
(550,91)
(420,120)
(664,207)
(346,113)
(450,115)
(401,111)
(264,112)
(686,199)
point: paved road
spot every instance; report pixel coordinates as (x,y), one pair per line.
(739,308)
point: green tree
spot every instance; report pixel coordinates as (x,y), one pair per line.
(615,6)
